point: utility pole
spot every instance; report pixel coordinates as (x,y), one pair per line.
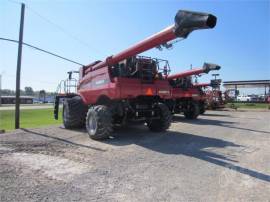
(0,90)
(18,74)
(265,89)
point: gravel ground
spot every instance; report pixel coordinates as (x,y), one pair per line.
(222,156)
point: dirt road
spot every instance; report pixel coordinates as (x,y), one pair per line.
(222,156)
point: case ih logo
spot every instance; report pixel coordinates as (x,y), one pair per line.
(164,92)
(100,82)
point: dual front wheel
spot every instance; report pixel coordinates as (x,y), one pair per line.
(192,110)
(98,119)
(99,122)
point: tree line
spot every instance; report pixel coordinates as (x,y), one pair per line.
(28,91)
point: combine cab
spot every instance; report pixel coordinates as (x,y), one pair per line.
(126,87)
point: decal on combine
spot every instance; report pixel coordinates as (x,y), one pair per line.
(100,82)
(164,92)
(149,91)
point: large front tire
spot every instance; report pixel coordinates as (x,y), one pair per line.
(202,108)
(164,120)
(192,111)
(74,111)
(99,122)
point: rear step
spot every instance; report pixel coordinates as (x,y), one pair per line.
(65,89)
(57,102)
(56,107)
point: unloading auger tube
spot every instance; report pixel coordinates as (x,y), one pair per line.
(185,23)
(207,67)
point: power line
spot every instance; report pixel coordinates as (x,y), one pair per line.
(53,54)
(15,2)
(42,50)
(63,30)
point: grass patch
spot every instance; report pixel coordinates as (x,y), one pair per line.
(249,105)
(30,118)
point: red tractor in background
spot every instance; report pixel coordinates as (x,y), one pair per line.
(187,98)
(127,87)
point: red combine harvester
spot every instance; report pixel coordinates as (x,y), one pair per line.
(126,87)
(213,97)
(187,98)
(203,97)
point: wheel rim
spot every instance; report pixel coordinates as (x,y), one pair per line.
(92,125)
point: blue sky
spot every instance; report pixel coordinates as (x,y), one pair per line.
(240,42)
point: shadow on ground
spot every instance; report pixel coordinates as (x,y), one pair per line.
(204,121)
(63,140)
(176,143)
(215,115)
(172,143)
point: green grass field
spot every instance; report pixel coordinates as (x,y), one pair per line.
(249,105)
(30,118)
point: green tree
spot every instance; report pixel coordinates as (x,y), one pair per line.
(28,90)
(42,94)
